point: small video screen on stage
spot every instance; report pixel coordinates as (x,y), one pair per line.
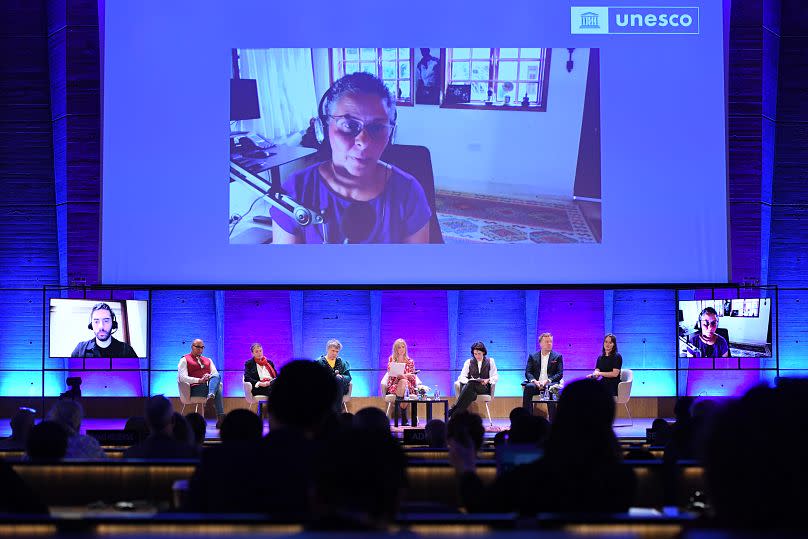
(86,328)
(716,328)
(415,145)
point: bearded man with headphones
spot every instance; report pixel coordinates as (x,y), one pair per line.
(706,342)
(103,324)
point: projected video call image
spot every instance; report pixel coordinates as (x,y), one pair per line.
(725,328)
(415,145)
(92,329)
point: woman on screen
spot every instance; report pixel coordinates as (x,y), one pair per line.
(608,365)
(362,199)
(706,342)
(259,371)
(400,384)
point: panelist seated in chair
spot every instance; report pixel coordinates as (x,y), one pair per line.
(609,363)
(338,366)
(200,373)
(259,371)
(364,200)
(478,375)
(399,385)
(544,368)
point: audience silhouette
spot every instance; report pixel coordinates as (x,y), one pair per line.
(21,425)
(198,426)
(273,476)
(160,444)
(47,441)
(359,476)
(581,471)
(755,459)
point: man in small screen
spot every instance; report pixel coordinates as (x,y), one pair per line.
(103,324)
(706,342)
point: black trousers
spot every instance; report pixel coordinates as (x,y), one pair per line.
(468,394)
(265,391)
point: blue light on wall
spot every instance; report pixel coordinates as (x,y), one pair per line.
(21,384)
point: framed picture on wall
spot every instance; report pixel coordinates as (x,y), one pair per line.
(428,75)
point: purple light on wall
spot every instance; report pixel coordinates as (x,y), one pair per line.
(575,318)
(256,316)
(420,318)
(251,316)
(732,383)
(98,383)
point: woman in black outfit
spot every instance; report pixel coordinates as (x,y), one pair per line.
(608,366)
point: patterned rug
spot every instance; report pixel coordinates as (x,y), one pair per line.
(466,218)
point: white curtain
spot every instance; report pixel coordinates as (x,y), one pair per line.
(285,90)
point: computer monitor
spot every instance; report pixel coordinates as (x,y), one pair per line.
(244,99)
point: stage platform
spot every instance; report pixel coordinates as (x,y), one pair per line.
(623,429)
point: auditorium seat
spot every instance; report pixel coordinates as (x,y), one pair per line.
(430,481)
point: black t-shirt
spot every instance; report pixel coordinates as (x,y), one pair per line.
(608,364)
(116,349)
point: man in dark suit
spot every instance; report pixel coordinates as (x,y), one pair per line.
(544,368)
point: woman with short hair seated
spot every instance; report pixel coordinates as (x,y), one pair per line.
(259,371)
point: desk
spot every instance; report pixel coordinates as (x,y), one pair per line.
(244,194)
(278,155)
(414,413)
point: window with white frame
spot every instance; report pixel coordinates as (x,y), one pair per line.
(392,65)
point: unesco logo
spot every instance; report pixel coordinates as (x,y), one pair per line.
(634,20)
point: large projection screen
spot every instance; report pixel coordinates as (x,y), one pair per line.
(599,157)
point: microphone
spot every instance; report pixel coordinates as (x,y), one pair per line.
(358,221)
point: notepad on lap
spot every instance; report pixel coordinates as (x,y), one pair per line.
(397,369)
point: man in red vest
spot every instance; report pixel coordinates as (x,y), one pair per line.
(200,373)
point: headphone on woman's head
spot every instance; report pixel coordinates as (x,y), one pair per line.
(321,122)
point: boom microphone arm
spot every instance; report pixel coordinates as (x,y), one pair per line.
(302,215)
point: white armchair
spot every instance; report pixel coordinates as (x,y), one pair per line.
(347,397)
(253,399)
(624,392)
(185,391)
(480,398)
